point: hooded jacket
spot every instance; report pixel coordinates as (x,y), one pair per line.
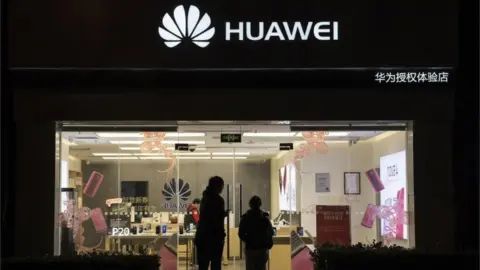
(211,223)
(256,230)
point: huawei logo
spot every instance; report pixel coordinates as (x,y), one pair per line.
(170,190)
(186,25)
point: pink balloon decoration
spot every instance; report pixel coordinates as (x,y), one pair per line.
(315,141)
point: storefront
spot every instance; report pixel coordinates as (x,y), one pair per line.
(109,62)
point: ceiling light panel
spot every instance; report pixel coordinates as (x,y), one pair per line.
(229,157)
(140,135)
(164,142)
(111,154)
(152,158)
(163,158)
(122,158)
(126,142)
(191,154)
(330,134)
(137,148)
(184,134)
(231,154)
(193,158)
(120,134)
(130,148)
(176,154)
(184,142)
(269,134)
(148,154)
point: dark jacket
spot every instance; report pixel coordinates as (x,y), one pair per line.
(256,230)
(211,224)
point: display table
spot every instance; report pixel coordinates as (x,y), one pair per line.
(183,239)
(281,252)
(158,241)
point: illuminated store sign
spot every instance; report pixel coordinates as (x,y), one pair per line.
(412,77)
(197,28)
(340,36)
(282,31)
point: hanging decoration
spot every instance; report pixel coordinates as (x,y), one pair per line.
(153,142)
(314,141)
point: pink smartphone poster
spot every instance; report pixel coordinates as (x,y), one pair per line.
(93,183)
(98,220)
(369,216)
(375,180)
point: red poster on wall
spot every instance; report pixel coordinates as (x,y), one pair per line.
(333,224)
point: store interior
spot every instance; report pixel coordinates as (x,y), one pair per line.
(338,182)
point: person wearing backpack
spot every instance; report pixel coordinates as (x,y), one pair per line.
(256,232)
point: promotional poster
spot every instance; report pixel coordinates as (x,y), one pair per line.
(393,173)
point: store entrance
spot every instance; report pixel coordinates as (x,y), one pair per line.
(144,188)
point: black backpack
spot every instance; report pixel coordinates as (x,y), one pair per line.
(259,232)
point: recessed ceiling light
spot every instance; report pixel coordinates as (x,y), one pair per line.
(269,134)
(111,154)
(229,157)
(231,154)
(119,158)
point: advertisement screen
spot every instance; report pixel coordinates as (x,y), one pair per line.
(393,173)
(288,191)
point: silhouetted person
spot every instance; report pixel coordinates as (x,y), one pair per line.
(257,232)
(210,236)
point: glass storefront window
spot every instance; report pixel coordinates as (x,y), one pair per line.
(137,191)
(358,190)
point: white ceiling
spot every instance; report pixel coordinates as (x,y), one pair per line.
(259,142)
